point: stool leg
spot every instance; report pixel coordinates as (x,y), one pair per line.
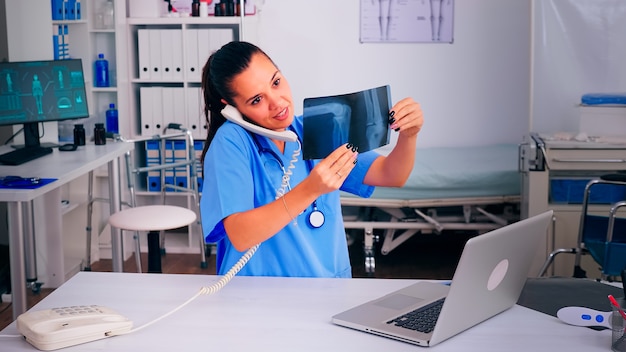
(137,251)
(154,252)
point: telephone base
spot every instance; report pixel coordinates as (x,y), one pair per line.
(56,328)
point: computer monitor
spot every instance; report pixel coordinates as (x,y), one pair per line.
(32,92)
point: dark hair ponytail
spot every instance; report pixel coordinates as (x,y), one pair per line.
(217,76)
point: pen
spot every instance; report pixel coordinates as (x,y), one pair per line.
(614,302)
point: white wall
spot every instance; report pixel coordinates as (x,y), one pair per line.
(578,48)
(473,92)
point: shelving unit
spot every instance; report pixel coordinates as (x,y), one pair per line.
(190,41)
(180,45)
(86,42)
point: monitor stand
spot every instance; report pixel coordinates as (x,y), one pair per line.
(31,137)
(44,144)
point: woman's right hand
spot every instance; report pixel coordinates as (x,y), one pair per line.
(328,175)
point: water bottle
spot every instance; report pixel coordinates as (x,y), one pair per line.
(102,72)
(111,119)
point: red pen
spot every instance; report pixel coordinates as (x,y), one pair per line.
(614,302)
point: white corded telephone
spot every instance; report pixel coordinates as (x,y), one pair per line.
(62,327)
(55,328)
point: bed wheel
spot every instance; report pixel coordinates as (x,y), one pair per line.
(368,248)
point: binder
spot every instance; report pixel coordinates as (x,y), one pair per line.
(146,107)
(180,173)
(143,53)
(66,9)
(198,147)
(70,9)
(64,53)
(167,107)
(176,46)
(195,114)
(155,54)
(219,37)
(57,10)
(57,41)
(167,54)
(153,158)
(204,47)
(77,10)
(192,69)
(157,110)
(180,107)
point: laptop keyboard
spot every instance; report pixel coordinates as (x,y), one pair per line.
(422,319)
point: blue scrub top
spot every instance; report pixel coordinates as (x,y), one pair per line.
(243,171)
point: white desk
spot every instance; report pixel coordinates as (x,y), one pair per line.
(65,167)
(281,314)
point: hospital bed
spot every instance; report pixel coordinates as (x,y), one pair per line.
(450,188)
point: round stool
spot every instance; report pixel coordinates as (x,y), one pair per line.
(154,219)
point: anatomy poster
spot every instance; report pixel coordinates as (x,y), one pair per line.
(405,21)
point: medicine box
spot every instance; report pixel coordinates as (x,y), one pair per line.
(147,8)
(572,190)
(602,120)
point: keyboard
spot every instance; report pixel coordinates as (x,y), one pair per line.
(422,319)
(22,155)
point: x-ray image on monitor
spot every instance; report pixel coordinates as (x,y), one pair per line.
(359,118)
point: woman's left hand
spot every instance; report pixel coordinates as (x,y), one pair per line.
(406,117)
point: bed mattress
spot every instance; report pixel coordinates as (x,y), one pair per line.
(459,172)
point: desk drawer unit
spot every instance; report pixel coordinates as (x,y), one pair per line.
(586,159)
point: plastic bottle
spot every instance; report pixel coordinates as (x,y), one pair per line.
(100,134)
(112,120)
(195,8)
(204,8)
(108,15)
(79,134)
(102,72)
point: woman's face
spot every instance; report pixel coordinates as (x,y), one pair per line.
(263,95)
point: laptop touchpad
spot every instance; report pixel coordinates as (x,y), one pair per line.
(398,301)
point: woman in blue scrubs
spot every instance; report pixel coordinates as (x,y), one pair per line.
(259,190)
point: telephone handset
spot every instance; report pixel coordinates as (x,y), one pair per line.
(232,114)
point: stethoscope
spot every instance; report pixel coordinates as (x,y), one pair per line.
(316,218)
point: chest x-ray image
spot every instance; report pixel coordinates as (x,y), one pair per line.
(359,118)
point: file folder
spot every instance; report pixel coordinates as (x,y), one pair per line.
(167,54)
(155,54)
(192,70)
(146,106)
(153,158)
(167,107)
(176,46)
(143,53)
(195,113)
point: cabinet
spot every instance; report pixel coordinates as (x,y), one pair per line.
(543,162)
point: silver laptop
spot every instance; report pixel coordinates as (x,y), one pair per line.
(488,280)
